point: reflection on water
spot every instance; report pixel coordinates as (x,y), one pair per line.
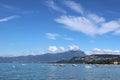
(12,71)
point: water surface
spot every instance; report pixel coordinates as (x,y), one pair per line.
(18,71)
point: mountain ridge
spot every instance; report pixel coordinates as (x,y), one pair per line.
(48,57)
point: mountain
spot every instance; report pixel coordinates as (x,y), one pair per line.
(48,57)
(94,59)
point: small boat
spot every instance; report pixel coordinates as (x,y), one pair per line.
(87,66)
(54,64)
(74,64)
(97,65)
(62,65)
(23,64)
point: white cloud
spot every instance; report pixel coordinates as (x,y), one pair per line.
(53,49)
(104,51)
(52,36)
(96,49)
(88,25)
(61,48)
(117,32)
(74,6)
(96,18)
(54,6)
(80,24)
(8,18)
(74,47)
(109,27)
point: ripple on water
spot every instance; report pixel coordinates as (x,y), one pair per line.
(49,72)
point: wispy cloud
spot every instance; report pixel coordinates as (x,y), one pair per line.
(8,18)
(88,26)
(74,6)
(89,23)
(117,32)
(80,24)
(104,51)
(26,12)
(52,36)
(16,9)
(54,6)
(68,38)
(8,7)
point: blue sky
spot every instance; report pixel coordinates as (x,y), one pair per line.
(40,26)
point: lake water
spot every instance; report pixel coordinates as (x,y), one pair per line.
(13,71)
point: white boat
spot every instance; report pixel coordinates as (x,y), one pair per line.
(23,64)
(97,65)
(62,65)
(74,64)
(87,66)
(54,64)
